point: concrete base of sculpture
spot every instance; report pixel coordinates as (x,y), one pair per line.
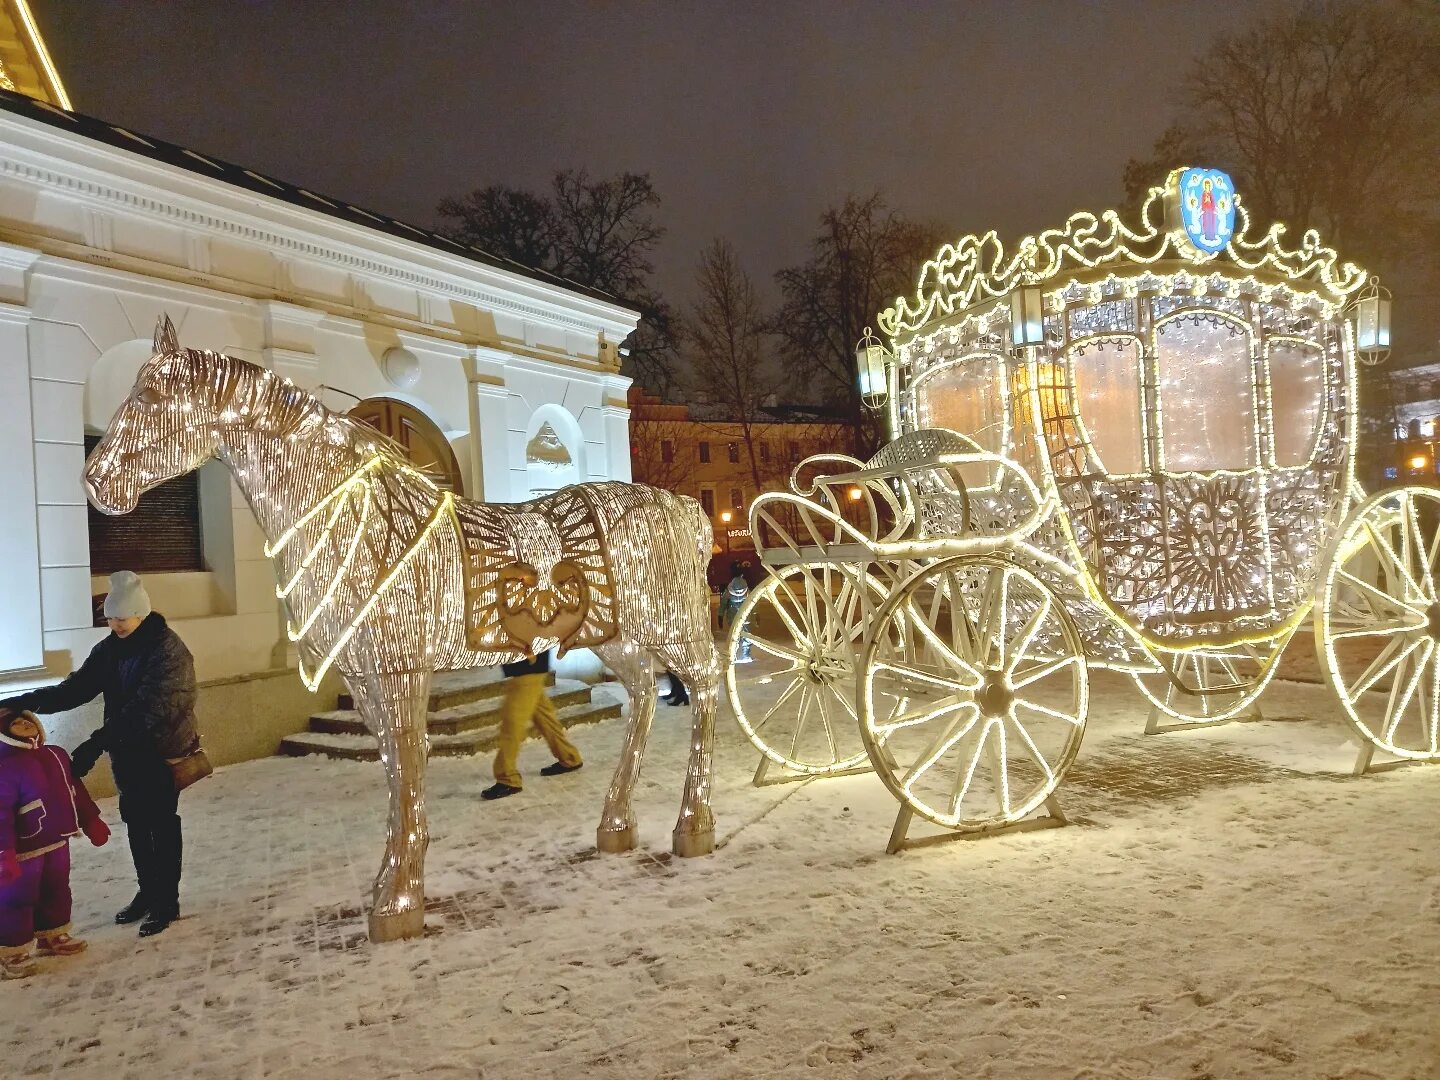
(397,927)
(688,845)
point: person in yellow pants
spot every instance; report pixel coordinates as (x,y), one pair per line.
(526,702)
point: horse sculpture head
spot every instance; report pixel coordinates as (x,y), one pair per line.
(168,426)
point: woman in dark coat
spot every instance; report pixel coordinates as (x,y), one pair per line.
(147,676)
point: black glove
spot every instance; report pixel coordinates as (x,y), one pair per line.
(85,757)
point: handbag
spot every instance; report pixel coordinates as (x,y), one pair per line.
(189,769)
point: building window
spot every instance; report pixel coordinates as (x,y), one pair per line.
(161,535)
(732,450)
(765,453)
(793,449)
(704,453)
(707,500)
(737,499)
(667,451)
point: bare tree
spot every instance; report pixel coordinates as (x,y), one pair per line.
(648,464)
(864,255)
(1328,116)
(724,338)
(597,233)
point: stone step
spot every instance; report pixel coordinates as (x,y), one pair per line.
(465,744)
(451,688)
(452,721)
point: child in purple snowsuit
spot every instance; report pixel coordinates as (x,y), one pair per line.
(41,807)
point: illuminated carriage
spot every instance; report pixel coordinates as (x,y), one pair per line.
(1126,446)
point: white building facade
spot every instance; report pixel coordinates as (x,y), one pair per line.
(102,231)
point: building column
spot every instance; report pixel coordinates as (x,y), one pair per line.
(22,633)
(616,414)
(489,425)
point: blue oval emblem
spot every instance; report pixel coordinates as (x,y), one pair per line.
(1207,208)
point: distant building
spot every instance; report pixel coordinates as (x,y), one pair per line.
(695,450)
(1409,454)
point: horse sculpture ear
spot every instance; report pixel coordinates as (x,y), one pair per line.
(167,342)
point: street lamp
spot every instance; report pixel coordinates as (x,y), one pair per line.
(1371,315)
(725,517)
(870,362)
(1027,317)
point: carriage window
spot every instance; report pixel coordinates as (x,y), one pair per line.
(966,397)
(1297,390)
(1107,397)
(1206,397)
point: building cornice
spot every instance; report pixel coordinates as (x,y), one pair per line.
(107,179)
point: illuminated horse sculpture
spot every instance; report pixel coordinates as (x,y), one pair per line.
(388,578)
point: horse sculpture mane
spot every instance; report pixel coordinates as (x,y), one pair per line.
(388,578)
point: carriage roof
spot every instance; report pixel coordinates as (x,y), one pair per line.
(976,270)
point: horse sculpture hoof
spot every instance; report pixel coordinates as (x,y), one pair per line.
(614,841)
(397,926)
(689,845)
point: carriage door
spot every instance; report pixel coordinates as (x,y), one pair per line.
(425,444)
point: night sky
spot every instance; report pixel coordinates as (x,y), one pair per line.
(750,117)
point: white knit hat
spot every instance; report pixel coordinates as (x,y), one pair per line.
(128,598)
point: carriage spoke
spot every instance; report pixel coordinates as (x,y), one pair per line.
(1382,629)
(1372,594)
(966,714)
(1046,710)
(1032,749)
(962,788)
(776,649)
(1044,670)
(820,696)
(1381,666)
(1396,561)
(1414,537)
(925,713)
(1010,656)
(1400,698)
(781,700)
(907,676)
(800,721)
(947,654)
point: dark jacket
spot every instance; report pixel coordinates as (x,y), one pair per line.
(148,680)
(41,805)
(539,666)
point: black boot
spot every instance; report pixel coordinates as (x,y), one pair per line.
(157,921)
(134,911)
(498,791)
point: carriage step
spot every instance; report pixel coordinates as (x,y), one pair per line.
(451,688)
(454,720)
(479,741)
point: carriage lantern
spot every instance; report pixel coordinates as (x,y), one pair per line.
(870,358)
(1371,313)
(1027,318)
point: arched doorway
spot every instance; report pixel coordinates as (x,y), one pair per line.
(424,443)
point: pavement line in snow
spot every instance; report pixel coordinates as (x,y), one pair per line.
(797,786)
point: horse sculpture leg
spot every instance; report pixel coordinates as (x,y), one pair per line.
(393,707)
(699,667)
(633,667)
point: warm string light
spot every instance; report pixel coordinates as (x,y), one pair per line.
(375,568)
(1190,568)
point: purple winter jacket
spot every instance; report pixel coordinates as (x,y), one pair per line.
(41,805)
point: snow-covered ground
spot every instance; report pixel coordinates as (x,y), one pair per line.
(1228,904)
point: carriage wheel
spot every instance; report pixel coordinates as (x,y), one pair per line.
(1377,626)
(973,693)
(1250,668)
(795,700)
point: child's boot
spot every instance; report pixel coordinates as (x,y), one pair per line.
(17,963)
(59,943)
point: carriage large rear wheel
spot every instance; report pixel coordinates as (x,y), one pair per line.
(973,694)
(1377,623)
(801,631)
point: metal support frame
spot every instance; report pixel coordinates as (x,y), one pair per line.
(1053,818)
